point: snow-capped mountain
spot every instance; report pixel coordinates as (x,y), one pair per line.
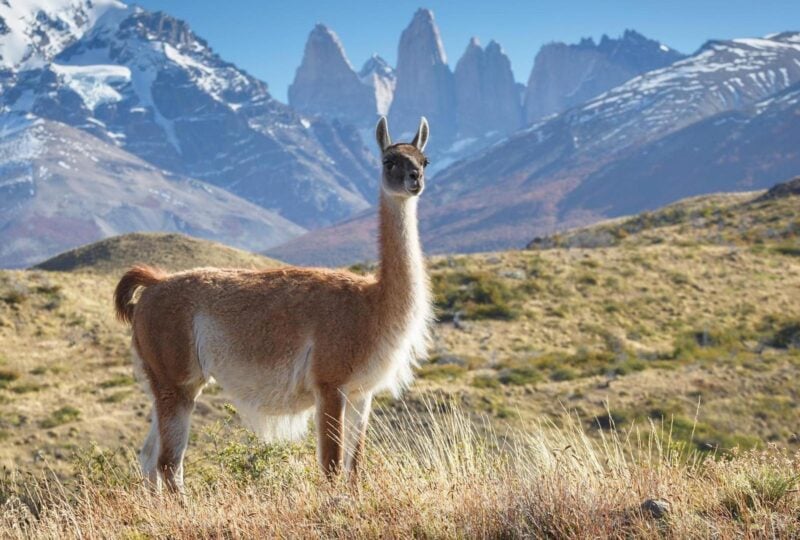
(32,32)
(741,149)
(61,187)
(567,75)
(724,118)
(147,83)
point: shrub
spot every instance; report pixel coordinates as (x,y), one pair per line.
(7,376)
(786,336)
(478,295)
(61,416)
(611,420)
(438,372)
(519,376)
(485,381)
(564,373)
(788,249)
(118,380)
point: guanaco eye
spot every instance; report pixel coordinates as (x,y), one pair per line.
(425,163)
(388,164)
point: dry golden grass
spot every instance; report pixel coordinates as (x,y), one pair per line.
(433,474)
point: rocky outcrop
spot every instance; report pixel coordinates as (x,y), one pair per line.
(380,76)
(487,97)
(567,75)
(326,84)
(424,82)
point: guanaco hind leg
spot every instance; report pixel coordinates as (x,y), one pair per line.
(330,432)
(148,456)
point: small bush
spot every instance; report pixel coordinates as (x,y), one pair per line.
(611,420)
(478,295)
(16,295)
(564,373)
(438,372)
(26,388)
(61,416)
(627,366)
(8,376)
(786,336)
(763,488)
(519,376)
(118,380)
(117,397)
(788,249)
(485,381)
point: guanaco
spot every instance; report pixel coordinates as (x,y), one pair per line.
(286,342)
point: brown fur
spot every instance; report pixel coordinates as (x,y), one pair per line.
(138,276)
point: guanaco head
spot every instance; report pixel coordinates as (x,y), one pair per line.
(403,163)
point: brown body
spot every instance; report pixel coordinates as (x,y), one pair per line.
(287,341)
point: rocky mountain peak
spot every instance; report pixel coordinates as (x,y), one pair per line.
(424,31)
(159,26)
(566,75)
(376,64)
(424,81)
(487,99)
(326,84)
(380,76)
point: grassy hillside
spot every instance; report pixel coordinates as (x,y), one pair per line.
(594,377)
(168,251)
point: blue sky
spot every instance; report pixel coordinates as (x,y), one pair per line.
(266,37)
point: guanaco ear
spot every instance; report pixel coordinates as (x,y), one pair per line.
(421,138)
(382,134)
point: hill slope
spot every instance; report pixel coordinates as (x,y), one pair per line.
(171,252)
(637,331)
(61,188)
(726,219)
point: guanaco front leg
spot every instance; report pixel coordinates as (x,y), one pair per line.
(356,419)
(330,429)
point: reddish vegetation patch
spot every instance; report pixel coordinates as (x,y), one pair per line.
(150,202)
(232,226)
(58,230)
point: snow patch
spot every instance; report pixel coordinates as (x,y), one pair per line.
(94,83)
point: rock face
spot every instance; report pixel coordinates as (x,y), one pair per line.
(487,97)
(380,76)
(425,84)
(326,84)
(567,75)
(145,82)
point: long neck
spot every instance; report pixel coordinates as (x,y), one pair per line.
(402,279)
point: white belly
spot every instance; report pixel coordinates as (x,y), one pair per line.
(273,398)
